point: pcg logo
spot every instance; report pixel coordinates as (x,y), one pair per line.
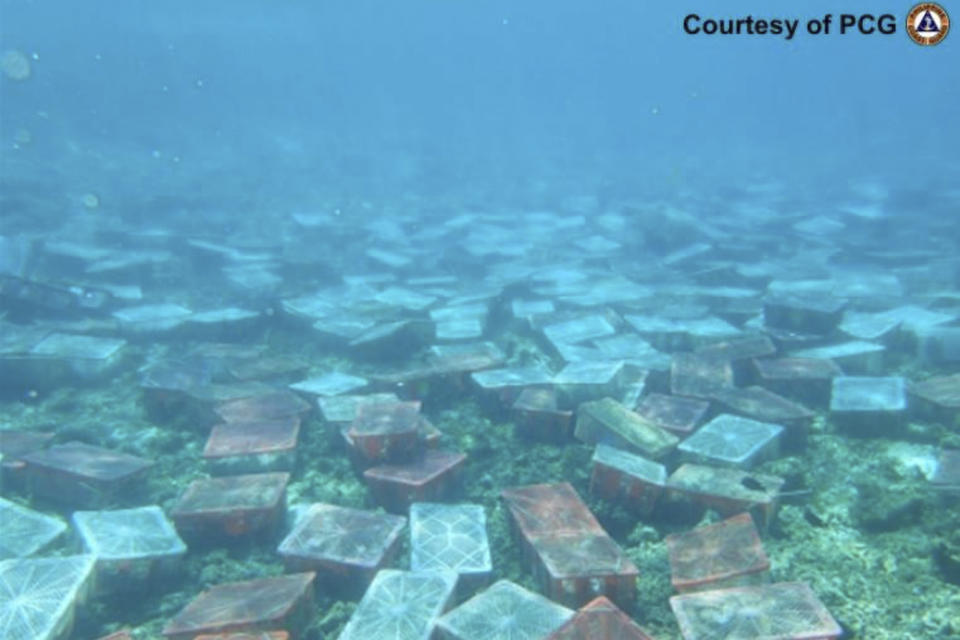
(927,23)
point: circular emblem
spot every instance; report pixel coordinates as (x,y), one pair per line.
(927,23)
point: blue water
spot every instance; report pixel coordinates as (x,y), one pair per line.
(426,95)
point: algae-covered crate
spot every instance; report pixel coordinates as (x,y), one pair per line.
(24,531)
(804,314)
(855,357)
(14,444)
(939,345)
(536,416)
(589,327)
(609,422)
(805,380)
(341,410)
(252,446)
(392,340)
(63,357)
(725,554)
(634,351)
(459,329)
(385,432)
(434,476)
(135,548)
(785,610)
(272,368)
(84,476)
(679,415)
(16,341)
(673,334)
(936,398)
(451,537)
(761,404)
(573,569)
(232,507)
(39,597)
(699,376)
(461,359)
(727,491)
(874,406)
(739,349)
(588,380)
(264,604)
(401,605)
(269,405)
(333,383)
(346,547)
(504,610)
(228,323)
(600,619)
(627,479)
(505,385)
(730,440)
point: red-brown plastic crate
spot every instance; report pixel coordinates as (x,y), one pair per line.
(81,475)
(726,554)
(541,510)
(264,604)
(574,569)
(536,416)
(549,509)
(385,431)
(346,547)
(430,478)
(232,506)
(253,446)
(785,611)
(678,415)
(600,619)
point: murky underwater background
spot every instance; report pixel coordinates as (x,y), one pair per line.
(270,273)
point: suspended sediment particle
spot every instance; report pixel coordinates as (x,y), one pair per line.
(15,65)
